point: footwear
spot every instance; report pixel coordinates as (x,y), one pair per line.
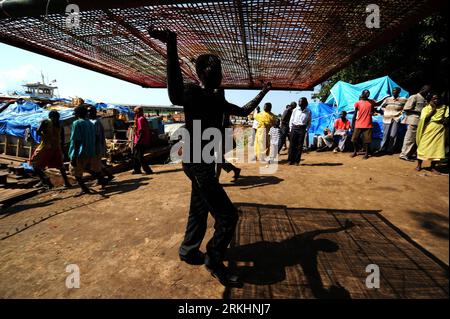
(48,185)
(197,258)
(83,192)
(224,276)
(136,172)
(237,173)
(353,155)
(38,185)
(150,172)
(406,158)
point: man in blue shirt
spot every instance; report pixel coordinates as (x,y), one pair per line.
(82,150)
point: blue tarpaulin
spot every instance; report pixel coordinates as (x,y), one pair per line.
(323,115)
(17,118)
(119,108)
(344,95)
(20,108)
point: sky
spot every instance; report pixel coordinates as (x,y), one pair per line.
(18,66)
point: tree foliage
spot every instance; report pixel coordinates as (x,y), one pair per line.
(418,56)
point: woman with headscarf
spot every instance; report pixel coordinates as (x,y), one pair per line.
(430,136)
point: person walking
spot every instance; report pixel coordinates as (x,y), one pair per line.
(100,141)
(82,150)
(49,153)
(141,141)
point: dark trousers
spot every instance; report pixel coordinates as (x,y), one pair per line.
(227,166)
(138,159)
(208,196)
(298,134)
(284,129)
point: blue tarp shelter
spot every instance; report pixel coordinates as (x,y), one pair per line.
(343,97)
(17,118)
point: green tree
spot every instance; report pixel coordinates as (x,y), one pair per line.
(416,57)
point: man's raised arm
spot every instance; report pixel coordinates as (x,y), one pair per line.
(175,84)
(250,106)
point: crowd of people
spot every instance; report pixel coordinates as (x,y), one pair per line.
(87,148)
(416,125)
(425,116)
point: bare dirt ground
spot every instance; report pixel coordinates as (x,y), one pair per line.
(125,240)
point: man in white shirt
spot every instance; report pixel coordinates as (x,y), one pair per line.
(299,125)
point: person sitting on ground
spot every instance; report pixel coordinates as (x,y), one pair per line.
(431,133)
(141,142)
(100,141)
(362,122)
(49,153)
(325,141)
(266,119)
(274,133)
(392,114)
(341,130)
(82,150)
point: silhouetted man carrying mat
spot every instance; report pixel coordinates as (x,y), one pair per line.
(205,103)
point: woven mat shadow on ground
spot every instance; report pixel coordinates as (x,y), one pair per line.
(321,253)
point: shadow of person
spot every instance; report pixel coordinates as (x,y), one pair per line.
(255,181)
(269,260)
(124,186)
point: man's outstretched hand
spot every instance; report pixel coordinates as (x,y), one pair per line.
(267,86)
(162,35)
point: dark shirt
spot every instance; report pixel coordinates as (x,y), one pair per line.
(200,104)
(286,117)
(212,110)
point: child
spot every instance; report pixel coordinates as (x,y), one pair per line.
(274,134)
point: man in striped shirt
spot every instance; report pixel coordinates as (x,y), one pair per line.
(393,109)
